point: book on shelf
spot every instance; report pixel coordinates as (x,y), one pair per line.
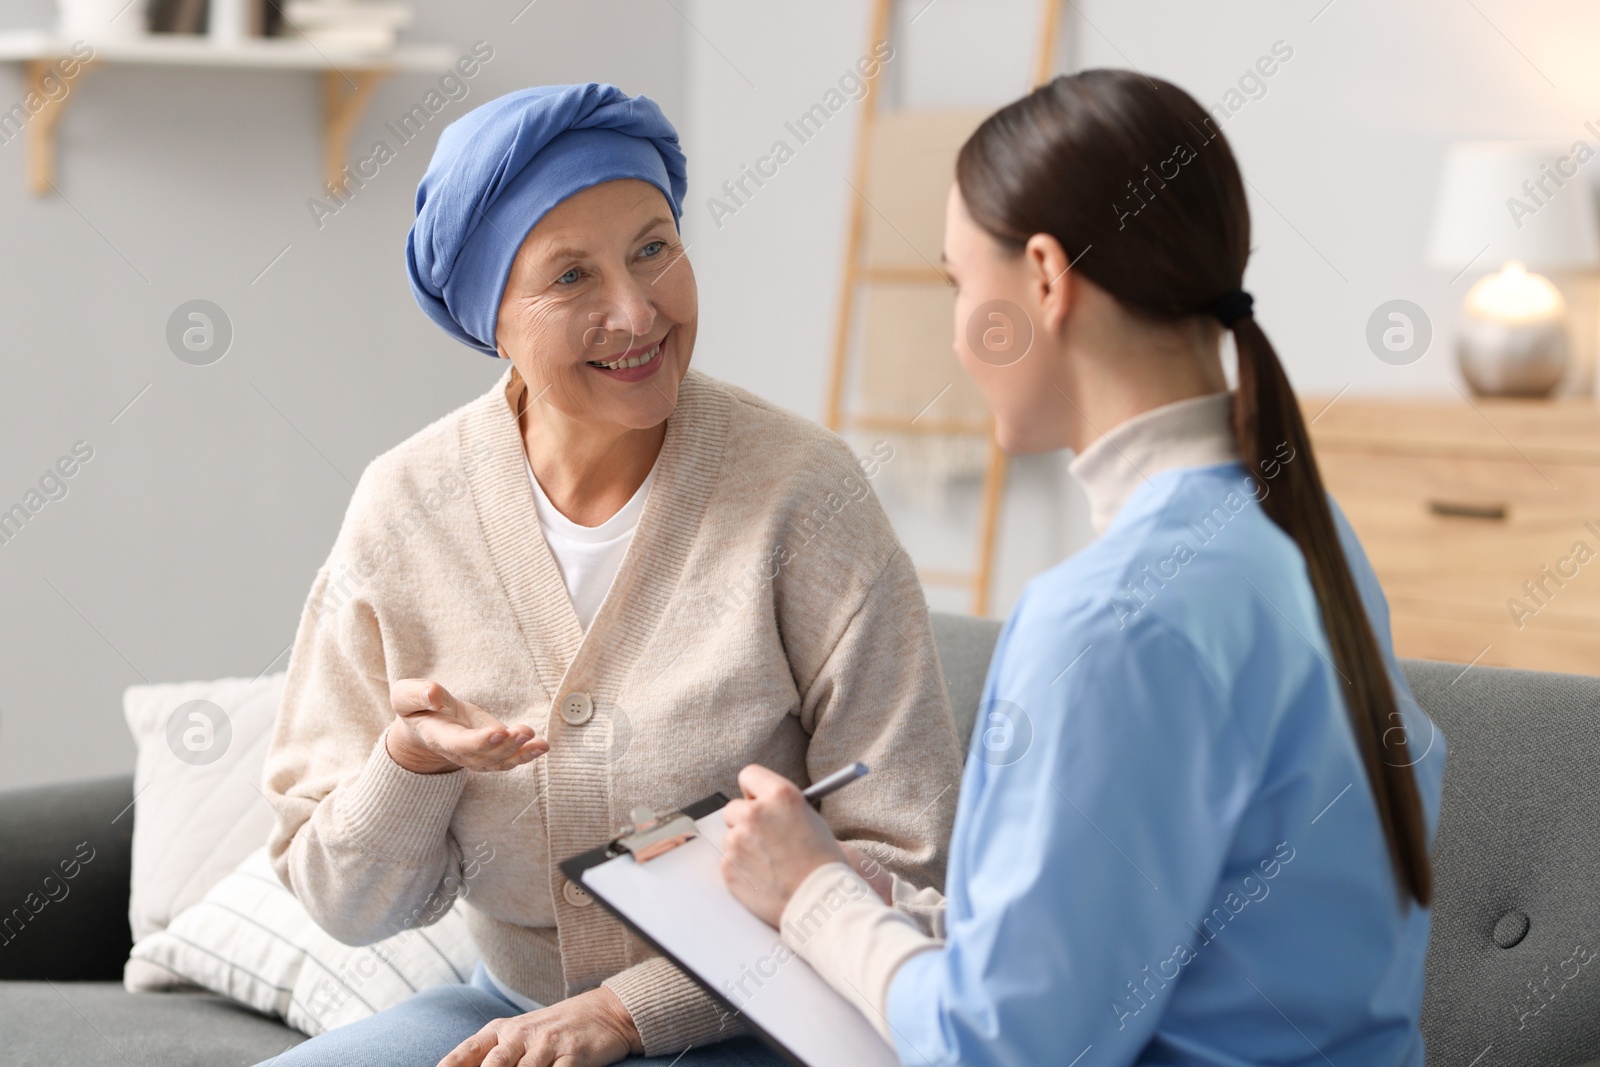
(372,26)
(307,14)
(350,38)
(177,16)
(271,18)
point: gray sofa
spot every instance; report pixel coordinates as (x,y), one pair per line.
(1516,920)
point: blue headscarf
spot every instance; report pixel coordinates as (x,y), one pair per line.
(500,167)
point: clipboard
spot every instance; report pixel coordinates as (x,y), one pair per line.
(663,880)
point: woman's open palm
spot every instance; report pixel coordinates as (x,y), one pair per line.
(436,732)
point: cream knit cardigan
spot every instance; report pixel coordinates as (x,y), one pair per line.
(765,612)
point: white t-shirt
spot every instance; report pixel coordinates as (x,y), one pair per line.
(526,1004)
(589,556)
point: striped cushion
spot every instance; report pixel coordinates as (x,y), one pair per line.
(249,939)
(199,809)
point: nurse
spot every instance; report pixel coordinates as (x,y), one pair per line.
(1195,824)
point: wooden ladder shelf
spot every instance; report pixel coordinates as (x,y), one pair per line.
(858,272)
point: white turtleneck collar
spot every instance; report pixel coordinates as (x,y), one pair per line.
(1196,432)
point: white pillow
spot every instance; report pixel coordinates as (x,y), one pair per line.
(250,939)
(198,809)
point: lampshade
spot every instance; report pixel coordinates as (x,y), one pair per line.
(1524,200)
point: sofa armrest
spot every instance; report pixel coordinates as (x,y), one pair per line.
(64,881)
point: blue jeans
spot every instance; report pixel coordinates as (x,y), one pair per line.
(427,1026)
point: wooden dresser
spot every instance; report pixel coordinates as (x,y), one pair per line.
(1482,520)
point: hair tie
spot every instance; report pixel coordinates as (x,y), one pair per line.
(1232,307)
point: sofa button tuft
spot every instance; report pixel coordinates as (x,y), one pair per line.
(1511,929)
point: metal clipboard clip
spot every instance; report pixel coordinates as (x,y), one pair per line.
(652,834)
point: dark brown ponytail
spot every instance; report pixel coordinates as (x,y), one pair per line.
(1133,178)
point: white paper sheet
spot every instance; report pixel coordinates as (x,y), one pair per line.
(679,900)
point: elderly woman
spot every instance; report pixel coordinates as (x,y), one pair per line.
(608,581)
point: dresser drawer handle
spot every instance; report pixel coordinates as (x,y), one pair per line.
(1457,510)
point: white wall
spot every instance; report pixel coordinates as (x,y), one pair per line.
(1342,151)
(185,548)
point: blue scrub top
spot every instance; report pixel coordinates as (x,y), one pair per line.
(1166,849)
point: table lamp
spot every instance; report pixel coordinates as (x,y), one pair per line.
(1515,207)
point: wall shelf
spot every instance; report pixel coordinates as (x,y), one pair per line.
(348,80)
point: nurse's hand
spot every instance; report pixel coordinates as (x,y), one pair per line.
(434,732)
(589,1030)
(774,839)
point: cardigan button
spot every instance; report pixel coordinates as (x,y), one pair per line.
(577,709)
(576,896)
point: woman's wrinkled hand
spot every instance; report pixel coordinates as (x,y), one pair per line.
(589,1030)
(434,732)
(774,840)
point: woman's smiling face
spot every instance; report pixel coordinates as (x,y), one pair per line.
(600,310)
